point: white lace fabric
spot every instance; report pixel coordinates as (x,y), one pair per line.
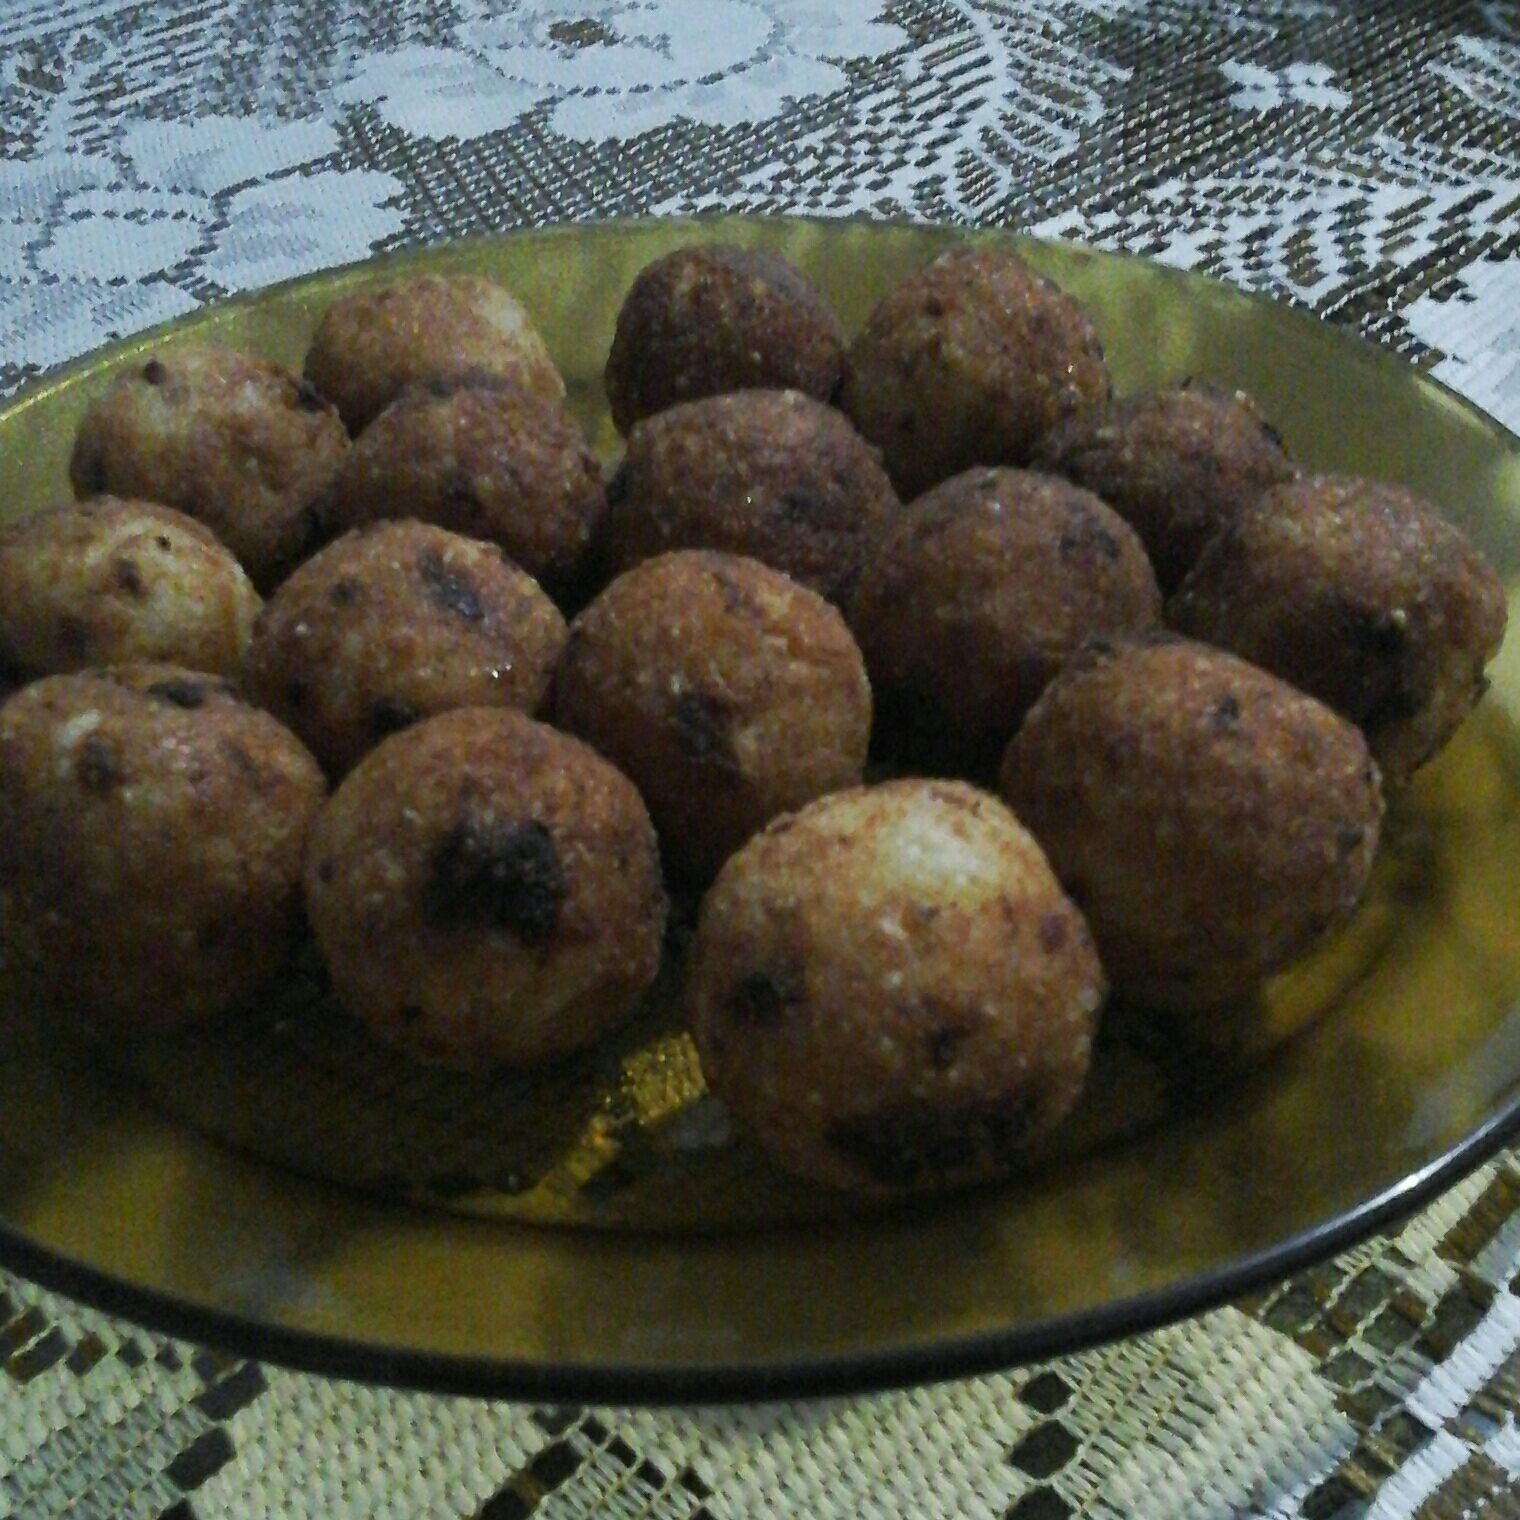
(1362,160)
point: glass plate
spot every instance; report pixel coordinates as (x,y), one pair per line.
(281,1186)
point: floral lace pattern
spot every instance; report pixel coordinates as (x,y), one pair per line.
(155,155)
(1363,161)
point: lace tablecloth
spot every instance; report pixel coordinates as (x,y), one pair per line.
(1360,158)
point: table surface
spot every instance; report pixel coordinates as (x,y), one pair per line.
(1362,159)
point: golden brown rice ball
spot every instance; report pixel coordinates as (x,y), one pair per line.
(771,474)
(151,836)
(727,692)
(969,361)
(890,989)
(1359,594)
(489,460)
(971,601)
(715,318)
(1176,464)
(112,582)
(394,623)
(237,442)
(1211,821)
(486,890)
(371,345)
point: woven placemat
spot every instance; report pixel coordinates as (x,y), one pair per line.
(1361,159)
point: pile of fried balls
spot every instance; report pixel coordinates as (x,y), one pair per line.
(298,655)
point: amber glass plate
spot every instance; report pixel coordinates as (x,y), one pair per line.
(280,1185)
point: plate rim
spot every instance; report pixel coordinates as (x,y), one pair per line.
(676,1384)
(836,1373)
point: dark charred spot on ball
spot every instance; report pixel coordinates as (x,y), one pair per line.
(389,716)
(309,398)
(449,589)
(736,599)
(488,871)
(127,577)
(154,372)
(99,767)
(702,722)
(1085,535)
(1348,839)
(943,1043)
(1378,644)
(162,540)
(761,997)
(919,1144)
(343,593)
(799,505)
(1374,632)
(1224,715)
(180,693)
(245,765)
(1053,931)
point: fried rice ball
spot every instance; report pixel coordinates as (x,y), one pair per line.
(371,345)
(771,474)
(394,623)
(151,835)
(487,459)
(890,989)
(1361,595)
(1211,821)
(725,690)
(486,890)
(982,587)
(715,318)
(237,442)
(113,582)
(1176,464)
(969,361)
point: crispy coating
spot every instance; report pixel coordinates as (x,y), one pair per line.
(771,474)
(890,989)
(487,459)
(1211,821)
(113,582)
(486,890)
(714,318)
(969,361)
(1359,594)
(235,441)
(151,836)
(393,623)
(1176,464)
(728,693)
(373,344)
(983,586)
